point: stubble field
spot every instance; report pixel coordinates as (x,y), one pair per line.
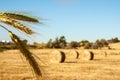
(105,66)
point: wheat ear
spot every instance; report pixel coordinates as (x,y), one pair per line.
(17,25)
(18,17)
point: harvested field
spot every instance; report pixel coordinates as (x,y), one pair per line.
(104,66)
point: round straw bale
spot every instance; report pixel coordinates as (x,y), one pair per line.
(71,56)
(87,55)
(56,56)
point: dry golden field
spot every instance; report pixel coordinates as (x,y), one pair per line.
(105,66)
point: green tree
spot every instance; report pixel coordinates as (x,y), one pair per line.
(56,43)
(114,40)
(98,44)
(49,44)
(73,44)
(87,46)
(94,46)
(83,42)
(62,42)
(104,42)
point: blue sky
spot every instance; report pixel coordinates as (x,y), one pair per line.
(75,19)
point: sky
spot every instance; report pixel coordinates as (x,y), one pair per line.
(75,19)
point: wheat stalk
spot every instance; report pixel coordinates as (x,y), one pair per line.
(28,55)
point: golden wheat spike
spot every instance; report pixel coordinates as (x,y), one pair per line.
(28,55)
(16,24)
(18,17)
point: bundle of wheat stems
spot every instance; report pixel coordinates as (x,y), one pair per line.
(13,20)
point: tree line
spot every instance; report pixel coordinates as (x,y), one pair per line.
(61,42)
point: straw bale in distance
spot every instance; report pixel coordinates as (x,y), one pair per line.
(56,56)
(86,55)
(72,54)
